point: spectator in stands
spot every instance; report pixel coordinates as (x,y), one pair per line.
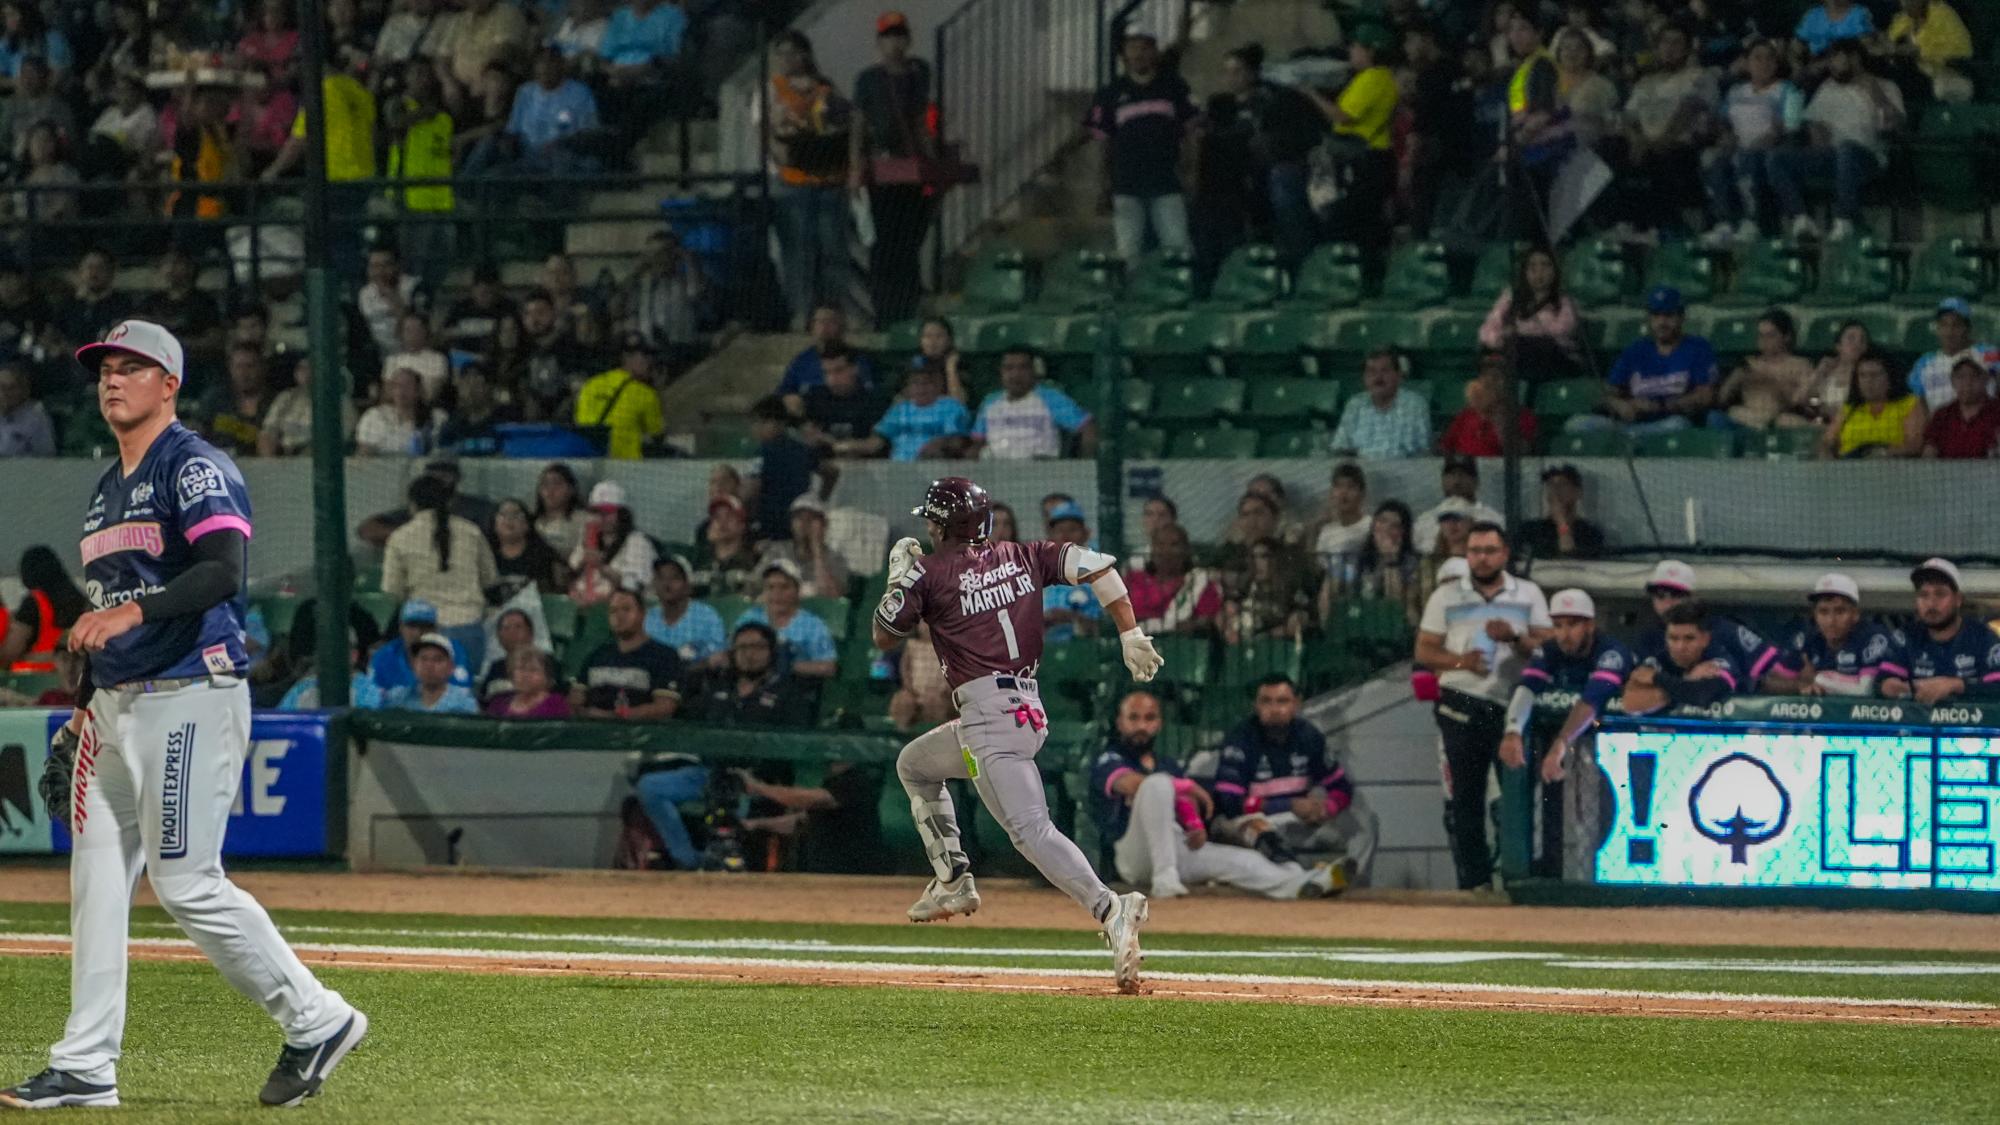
(579,309)
(51,604)
(1952,655)
(47,180)
(783,472)
(1390,420)
(807,369)
(388,296)
(544,372)
(612,552)
(1762,113)
(1272,600)
(1668,119)
(726,560)
(839,829)
(923,423)
(183,309)
(1547,334)
(1969,427)
(666,783)
(471,428)
(96,303)
(1772,387)
(434,686)
(1005,529)
(25,430)
(1696,671)
(126,50)
(558,516)
(892,140)
(522,556)
(753,691)
(1439,150)
(1169,593)
(1361,118)
(415,351)
(1932,376)
(1345,522)
(1925,40)
(262,118)
(1833,377)
(580,35)
(810,133)
(272,44)
(35,99)
(1141,117)
(1827,23)
(631,676)
(924,697)
(287,428)
(1458,479)
(1881,419)
(1279,789)
(350,156)
(420,148)
(805,644)
(1157,512)
(411,33)
(513,631)
(125,138)
(840,413)
(1025,419)
(1848,123)
(664,298)
(484,321)
(1257,517)
(1563,533)
(443,559)
(485,32)
(641,41)
(479,121)
(232,413)
(1387,565)
(550,112)
(391,666)
(25,317)
(623,401)
(400,425)
(1270,487)
(1841,652)
(691,628)
(1069,612)
(1476,430)
(533,673)
(1661,383)
(1588,96)
(822,568)
(937,348)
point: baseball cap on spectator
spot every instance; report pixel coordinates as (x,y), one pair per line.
(889,22)
(417,611)
(1665,299)
(1835,585)
(1671,574)
(1936,570)
(1956,305)
(142,338)
(1564,470)
(725,501)
(807,502)
(1572,603)
(1068,510)
(681,561)
(607,494)
(789,568)
(1457,508)
(1453,569)
(1460,463)
(437,641)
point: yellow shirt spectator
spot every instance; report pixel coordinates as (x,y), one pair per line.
(1942,39)
(617,399)
(424,153)
(1369,101)
(1883,426)
(350,128)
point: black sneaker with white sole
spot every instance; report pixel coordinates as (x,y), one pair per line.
(300,1070)
(55,1089)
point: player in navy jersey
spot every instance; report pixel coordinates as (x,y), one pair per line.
(983,602)
(1951,655)
(149,764)
(1698,668)
(1671,583)
(1841,652)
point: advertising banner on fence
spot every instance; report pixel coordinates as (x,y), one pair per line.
(1702,806)
(280,808)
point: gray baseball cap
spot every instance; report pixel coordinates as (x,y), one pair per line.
(142,338)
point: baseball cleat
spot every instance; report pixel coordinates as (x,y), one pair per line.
(300,1070)
(942,900)
(1121,933)
(1328,879)
(55,1089)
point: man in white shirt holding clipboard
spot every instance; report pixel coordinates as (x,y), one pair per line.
(1477,634)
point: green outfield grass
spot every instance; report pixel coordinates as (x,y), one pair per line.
(460,1047)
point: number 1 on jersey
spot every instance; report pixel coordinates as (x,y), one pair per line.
(1007,628)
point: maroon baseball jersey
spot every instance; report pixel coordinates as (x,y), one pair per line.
(983,604)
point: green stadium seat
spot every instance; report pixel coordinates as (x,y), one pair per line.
(1197,400)
(1280,404)
(1953,159)
(1566,398)
(1249,279)
(1177,345)
(902,336)
(1799,443)
(730,440)
(1687,444)
(1492,275)
(1596,273)
(1186,656)
(1240,445)
(996,334)
(1616,329)
(1946,267)
(1356,336)
(1377,628)
(729,607)
(1161,281)
(1329,278)
(1885,328)
(1853,272)
(559,613)
(1136,396)
(1074,357)
(1079,281)
(996,280)
(1451,346)
(1732,335)
(1447,394)
(1293,443)
(593,629)
(1768,272)
(1272,345)
(847,704)
(834,611)
(1418,277)
(1685,267)
(1145,443)
(1604,443)
(1250,660)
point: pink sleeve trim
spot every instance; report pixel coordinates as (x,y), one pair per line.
(1769,658)
(1229,787)
(1731,680)
(1611,677)
(1121,771)
(219,523)
(1337,801)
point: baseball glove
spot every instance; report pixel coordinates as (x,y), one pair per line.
(58,773)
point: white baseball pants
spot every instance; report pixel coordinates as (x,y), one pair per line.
(1154,847)
(154,793)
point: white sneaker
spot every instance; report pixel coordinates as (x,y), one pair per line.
(1169,887)
(1841,232)
(1804,229)
(1748,231)
(1719,237)
(1121,933)
(942,900)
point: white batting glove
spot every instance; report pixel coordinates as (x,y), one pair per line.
(902,557)
(1140,657)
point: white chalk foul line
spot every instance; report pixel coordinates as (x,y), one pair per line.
(542,956)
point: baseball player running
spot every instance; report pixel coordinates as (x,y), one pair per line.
(983,602)
(148,766)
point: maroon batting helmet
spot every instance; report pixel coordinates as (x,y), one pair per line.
(961,507)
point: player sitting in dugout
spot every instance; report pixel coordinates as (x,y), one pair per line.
(1698,670)
(1838,651)
(1278,789)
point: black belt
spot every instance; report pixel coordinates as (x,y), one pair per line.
(1009,683)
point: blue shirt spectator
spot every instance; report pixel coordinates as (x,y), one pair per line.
(1645,372)
(804,637)
(804,373)
(1078,600)
(390,666)
(644,31)
(921,417)
(1029,426)
(1368,429)
(1818,29)
(696,634)
(456,700)
(52,47)
(304,695)
(542,116)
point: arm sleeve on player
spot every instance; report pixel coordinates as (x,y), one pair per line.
(1520,709)
(1331,776)
(902,604)
(215,577)
(1080,562)
(1606,679)
(1231,781)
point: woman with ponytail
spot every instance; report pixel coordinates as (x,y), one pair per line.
(445,560)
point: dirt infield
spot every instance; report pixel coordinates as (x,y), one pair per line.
(809,900)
